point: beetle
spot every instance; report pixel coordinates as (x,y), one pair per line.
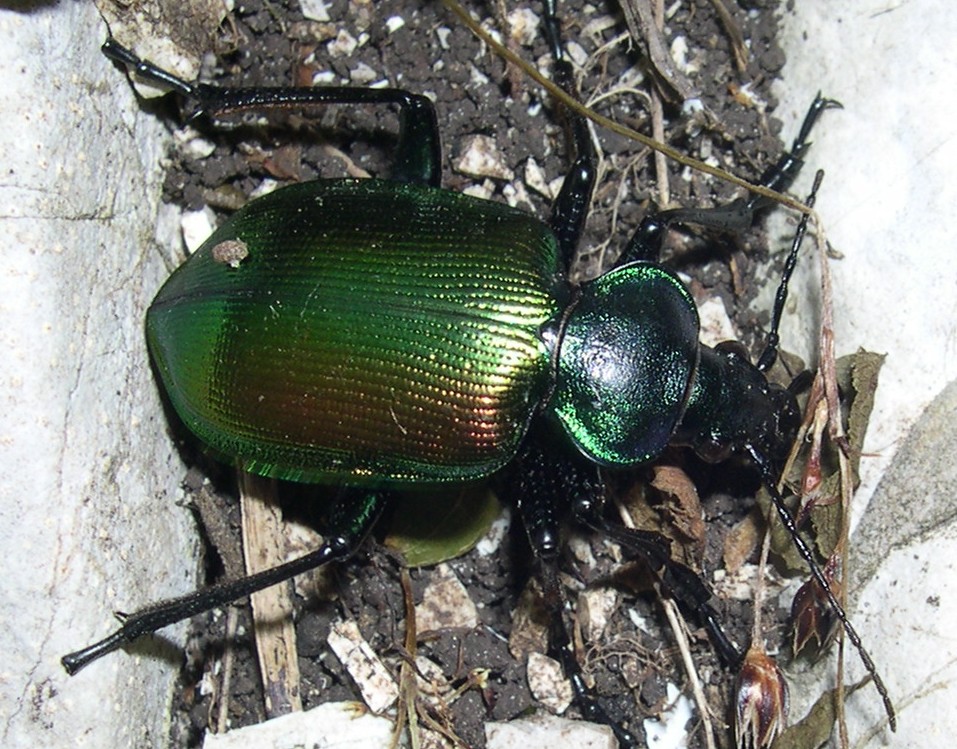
(377,334)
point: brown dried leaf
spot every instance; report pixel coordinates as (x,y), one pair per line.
(857,380)
(682,503)
(814,729)
(857,376)
(742,542)
(639,508)
(865,371)
(284,163)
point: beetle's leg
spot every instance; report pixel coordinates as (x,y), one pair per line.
(418,154)
(354,513)
(738,215)
(678,581)
(547,480)
(570,208)
(780,175)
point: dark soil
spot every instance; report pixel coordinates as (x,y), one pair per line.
(270,43)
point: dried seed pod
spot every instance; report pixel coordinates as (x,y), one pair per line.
(812,617)
(761,701)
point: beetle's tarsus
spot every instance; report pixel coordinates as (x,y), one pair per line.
(145,69)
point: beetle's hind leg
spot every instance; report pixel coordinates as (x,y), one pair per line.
(678,581)
(353,515)
(418,157)
(783,172)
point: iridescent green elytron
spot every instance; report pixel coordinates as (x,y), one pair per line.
(376,332)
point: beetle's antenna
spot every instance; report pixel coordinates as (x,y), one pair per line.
(768,475)
(770,355)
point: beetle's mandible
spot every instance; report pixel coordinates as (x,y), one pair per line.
(376,334)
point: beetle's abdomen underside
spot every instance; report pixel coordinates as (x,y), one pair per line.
(375,332)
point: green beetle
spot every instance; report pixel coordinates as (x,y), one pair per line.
(377,334)
(424,328)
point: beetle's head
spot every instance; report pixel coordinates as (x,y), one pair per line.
(784,422)
(733,406)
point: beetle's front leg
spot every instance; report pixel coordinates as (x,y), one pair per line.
(738,215)
(548,479)
(678,581)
